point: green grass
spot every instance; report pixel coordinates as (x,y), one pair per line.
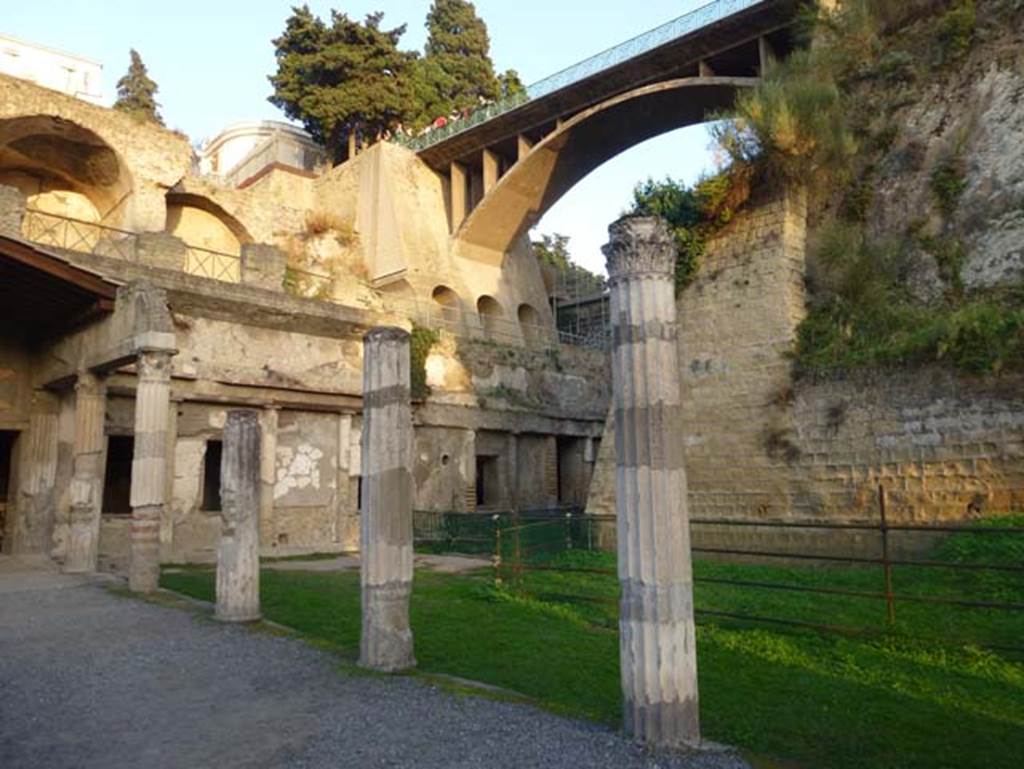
(818,701)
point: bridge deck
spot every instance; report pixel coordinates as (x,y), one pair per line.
(723,33)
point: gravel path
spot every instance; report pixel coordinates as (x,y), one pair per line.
(92,679)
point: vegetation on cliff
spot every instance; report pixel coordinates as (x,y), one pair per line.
(885,277)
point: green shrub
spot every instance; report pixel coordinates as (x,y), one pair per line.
(896,67)
(421,341)
(955,31)
(948,183)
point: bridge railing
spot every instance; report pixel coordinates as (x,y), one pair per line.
(686,24)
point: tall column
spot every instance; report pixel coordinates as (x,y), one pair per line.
(657,646)
(386,536)
(30,516)
(149,467)
(268,472)
(238,551)
(87,477)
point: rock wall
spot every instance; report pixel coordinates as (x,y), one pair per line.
(761,445)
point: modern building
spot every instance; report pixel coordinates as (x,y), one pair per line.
(65,72)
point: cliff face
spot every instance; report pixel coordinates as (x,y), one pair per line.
(944,148)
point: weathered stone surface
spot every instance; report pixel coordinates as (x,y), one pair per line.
(12,211)
(87,480)
(149,465)
(386,554)
(238,552)
(657,641)
(263,266)
(158,249)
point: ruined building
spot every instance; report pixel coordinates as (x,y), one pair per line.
(256,281)
(136,273)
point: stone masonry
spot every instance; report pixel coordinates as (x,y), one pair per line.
(386,533)
(657,640)
(238,552)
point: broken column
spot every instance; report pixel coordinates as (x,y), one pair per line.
(238,551)
(149,462)
(386,532)
(657,646)
(87,477)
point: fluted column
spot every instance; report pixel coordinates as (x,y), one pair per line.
(656,631)
(149,465)
(238,551)
(87,474)
(386,532)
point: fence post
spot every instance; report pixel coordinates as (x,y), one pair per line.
(497,555)
(517,555)
(890,601)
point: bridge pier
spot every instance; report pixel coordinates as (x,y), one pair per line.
(458,195)
(492,169)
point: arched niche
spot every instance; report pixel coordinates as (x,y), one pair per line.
(491,315)
(529,323)
(447,303)
(65,170)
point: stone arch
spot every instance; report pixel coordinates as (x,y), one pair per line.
(201,222)
(584,142)
(447,302)
(491,314)
(529,323)
(65,169)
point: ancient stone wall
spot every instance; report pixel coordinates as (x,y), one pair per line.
(760,444)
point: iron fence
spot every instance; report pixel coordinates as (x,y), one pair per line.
(72,234)
(550,555)
(218,265)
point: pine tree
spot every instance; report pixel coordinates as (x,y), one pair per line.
(456,73)
(343,79)
(136,92)
(510,84)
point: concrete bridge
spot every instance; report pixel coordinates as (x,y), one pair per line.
(509,162)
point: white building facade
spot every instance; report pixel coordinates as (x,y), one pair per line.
(65,72)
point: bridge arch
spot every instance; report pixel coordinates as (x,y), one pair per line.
(579,145)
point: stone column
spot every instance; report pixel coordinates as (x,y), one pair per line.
(32,509)
(268,472)
(459,204)
(238,552)
(386,535)
(149,467)
(87,474)
(657,646)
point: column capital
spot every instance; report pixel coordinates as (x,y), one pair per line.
(640,246)
(154,365)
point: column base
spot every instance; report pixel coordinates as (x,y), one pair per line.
(386,644)
(663,724)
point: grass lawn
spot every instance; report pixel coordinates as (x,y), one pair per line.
(815,701)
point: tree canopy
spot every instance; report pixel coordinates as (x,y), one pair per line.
(342,78)
(457,71)
(136,92)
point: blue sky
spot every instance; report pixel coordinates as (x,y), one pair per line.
(211,60)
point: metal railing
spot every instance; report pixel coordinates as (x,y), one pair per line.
(644,43)
(543,542)
(493,328)
(204,263)
(72,234)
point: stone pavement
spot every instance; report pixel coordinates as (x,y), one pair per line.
(90,678)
